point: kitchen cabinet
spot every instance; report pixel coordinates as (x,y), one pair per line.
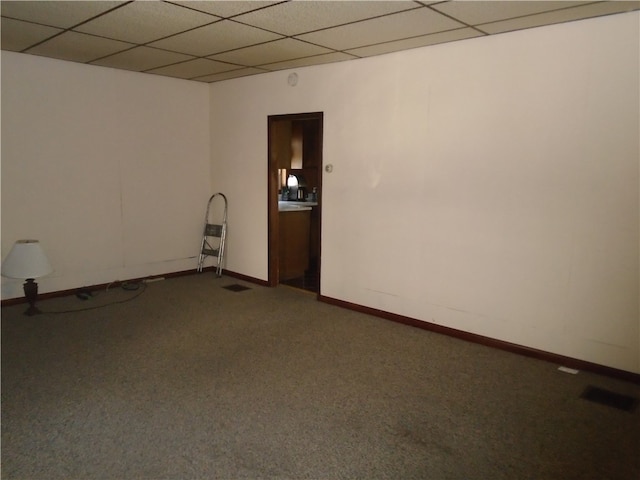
(281,143)
(304,144)
(294,228)
(297,142)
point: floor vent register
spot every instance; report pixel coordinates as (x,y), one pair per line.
(610,399)
(236,287)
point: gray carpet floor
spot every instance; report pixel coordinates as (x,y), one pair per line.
(192,381)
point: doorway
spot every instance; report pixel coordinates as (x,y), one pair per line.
(295,199)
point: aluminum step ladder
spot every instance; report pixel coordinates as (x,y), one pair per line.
(213,238)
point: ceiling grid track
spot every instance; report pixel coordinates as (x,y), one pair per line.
(209,41)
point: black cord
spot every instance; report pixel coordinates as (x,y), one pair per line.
(125,286)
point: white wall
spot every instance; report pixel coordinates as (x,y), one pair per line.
(488,185)
(108,169)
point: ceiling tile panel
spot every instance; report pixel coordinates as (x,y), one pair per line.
(17,35)
(241,72)
(305,62)
(219,37)
(293,18)
(558,16)
(63,14)
(142,58)
(78,47)
(415,42)
(215,40)
(280,50)
(384,29)
(141,22)
(193,68)
(225,9)
(474,13)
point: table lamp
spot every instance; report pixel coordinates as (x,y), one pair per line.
(27,261)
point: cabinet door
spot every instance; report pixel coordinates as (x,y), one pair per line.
(281,143)
(311,145)
(297,145)
(294,244)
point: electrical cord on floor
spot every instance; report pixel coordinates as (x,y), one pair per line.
(129,286)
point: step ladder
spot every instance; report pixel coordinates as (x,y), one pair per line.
(214,235)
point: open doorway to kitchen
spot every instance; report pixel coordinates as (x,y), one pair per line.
(295,199)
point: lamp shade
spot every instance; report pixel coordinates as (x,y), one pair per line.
(26,260)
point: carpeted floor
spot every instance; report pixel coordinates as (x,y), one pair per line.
(194,381)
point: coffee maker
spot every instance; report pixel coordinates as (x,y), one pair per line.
(297,188)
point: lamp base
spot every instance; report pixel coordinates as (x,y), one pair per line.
(32,310)
(31,294)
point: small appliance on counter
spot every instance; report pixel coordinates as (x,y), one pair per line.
(296,187)
(313,196)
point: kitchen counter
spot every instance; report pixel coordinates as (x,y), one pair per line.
(292,206)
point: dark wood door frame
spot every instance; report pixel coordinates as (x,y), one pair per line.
(272,192)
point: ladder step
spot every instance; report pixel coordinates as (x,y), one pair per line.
(212,230)
(213,253)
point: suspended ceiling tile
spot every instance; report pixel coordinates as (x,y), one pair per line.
(559,16)
(17,35)
(63,14)
(142,58)
(141,22)
(384,29)
(415,42)
(293,18)
(241,72)
(277,51)
(193,68)
(305,62)
(226,8)
(27,23)
(78,47)
(474,13)
(219,37)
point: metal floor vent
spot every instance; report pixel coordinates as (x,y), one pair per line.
(236,287)
(610,399)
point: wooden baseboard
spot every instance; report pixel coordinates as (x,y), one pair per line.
(452,332)
(115,284)
(490,342)
(246,278)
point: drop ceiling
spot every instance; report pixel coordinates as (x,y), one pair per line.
(210,41)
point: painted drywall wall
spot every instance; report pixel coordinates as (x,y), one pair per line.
(488,185)
(108,169)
